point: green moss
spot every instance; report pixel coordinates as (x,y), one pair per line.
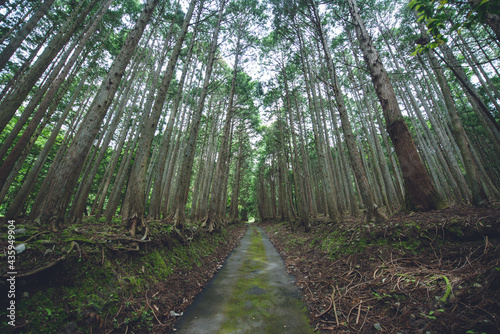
(157,264)
(100,282)
(252,299)
(249,306)
(455,230)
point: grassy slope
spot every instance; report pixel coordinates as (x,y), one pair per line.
(109,282)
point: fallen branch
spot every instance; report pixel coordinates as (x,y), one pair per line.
(147,302)
(36,235)
(53,263)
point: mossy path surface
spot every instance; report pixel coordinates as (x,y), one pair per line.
(252,293)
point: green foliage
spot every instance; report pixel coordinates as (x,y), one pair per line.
(442,18)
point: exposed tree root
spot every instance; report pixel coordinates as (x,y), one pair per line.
(51,264)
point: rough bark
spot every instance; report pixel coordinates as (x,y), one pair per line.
(65,179)
(421,193)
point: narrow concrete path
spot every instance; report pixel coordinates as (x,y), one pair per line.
(252,293)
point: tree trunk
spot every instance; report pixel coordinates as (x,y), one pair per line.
(365,191)
(133,206)
(214,215)
(65,179)
(471,169)
(188,154)
(49,96)
(421,193)
(10,105)
(21,34)
(19,200)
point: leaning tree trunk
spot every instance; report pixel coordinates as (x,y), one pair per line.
(365,190)
(471,170)
(59,194)
(19,200)
(133,211)
(48,98)
(16,41)
(14,101)
(190,149)
(156,197)
(421,193)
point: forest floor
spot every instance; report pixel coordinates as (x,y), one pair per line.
(94,278)
(436,272)
(432,272)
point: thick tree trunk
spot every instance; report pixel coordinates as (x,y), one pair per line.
(421,193)
(56,203)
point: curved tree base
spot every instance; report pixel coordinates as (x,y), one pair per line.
(374,214)
(132,224)
(213,224)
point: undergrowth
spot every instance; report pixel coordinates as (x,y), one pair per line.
(95,282)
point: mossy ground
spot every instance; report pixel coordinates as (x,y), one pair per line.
(253,299)
(252,294)
(98,287)
(435,271)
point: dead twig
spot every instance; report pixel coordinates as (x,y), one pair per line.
(359,312)
(328,309)
(147,303)
(335,307)
(35,235)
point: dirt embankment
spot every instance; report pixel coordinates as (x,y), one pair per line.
(95,278)
(436,272)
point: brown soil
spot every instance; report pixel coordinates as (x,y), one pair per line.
(180,289)
(356,277)
(394,277)
(112,256)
